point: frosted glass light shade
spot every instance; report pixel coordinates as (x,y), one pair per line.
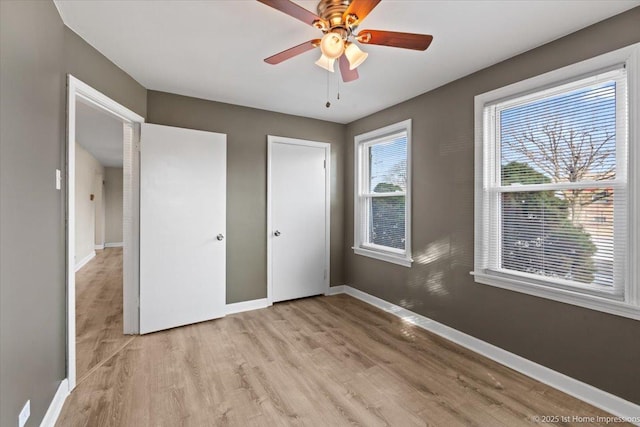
(326,63)
(332,45)
(354,55)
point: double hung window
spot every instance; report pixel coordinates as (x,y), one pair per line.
(554,199)
(382,194)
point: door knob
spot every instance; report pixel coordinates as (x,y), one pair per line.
(277,233)
(219,237)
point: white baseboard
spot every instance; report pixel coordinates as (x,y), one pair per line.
(85,260)
(99,247)
(239,307)
(51,416)
(613,404)
(335,290)
(114,245)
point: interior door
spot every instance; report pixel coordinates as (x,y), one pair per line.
(298,218)
(182,226)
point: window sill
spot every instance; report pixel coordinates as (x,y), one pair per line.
(566,296)
(382,256)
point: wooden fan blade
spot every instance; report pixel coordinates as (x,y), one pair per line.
(290,8)
(394,39)
(347,74)
(359,8)
(291,52)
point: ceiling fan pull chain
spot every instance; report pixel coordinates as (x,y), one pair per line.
(328,104)
(338,80)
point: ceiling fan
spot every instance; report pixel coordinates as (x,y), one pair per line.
(338,20)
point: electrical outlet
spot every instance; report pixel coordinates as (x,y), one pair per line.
(24,414)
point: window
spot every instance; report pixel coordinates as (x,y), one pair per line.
(554,196)
(383,194)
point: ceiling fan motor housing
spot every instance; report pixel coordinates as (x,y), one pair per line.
(332,12)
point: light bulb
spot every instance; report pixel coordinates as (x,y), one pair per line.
(354,55)
(326,63)
(332,45)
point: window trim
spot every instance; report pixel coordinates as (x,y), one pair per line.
(630,306)
(378,252)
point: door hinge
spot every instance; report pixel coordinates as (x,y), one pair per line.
(324,164)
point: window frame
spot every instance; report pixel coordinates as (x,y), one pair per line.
(362,143)
(628,305)
(618,184)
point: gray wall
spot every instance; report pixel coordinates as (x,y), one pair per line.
(597,348)
(36,52)
(32,297)
(247,130)
(90,66)
(113,178)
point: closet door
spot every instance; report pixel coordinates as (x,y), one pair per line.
(298,197)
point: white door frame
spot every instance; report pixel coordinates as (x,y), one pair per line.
(271,139)
(80,91)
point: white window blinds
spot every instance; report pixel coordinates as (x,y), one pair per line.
(382,194)
(385,191)
(556,184)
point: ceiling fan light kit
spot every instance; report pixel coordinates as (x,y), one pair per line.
(332,45)
(338,20)
(326,63)
(354,55)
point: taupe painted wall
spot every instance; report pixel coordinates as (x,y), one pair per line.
(87,210)
(247,130)
(32,297)
(36,52)
(597,348)
(87,64)
(113,202)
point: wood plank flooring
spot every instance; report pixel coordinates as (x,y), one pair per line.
(99,310)
(324,361)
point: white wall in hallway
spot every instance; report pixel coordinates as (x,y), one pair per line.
(87,169)
(98,186)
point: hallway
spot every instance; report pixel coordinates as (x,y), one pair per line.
(99,311)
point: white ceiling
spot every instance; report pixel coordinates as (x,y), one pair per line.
(100,134)
(215,49)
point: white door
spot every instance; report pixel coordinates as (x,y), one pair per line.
(182,226)
(298,218)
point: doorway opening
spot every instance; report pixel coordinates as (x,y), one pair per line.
(102,212)
(98,226)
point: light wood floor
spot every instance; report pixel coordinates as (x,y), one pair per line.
(328,361)
(99,310)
